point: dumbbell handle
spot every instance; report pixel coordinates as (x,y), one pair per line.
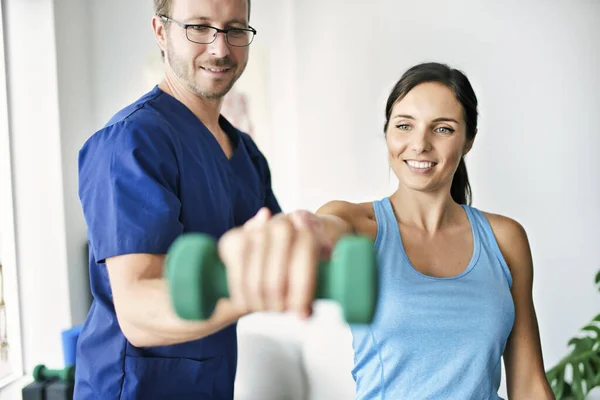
(41,373)
(349,278)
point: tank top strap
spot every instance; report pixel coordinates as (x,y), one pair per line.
(387,227)
(484,230)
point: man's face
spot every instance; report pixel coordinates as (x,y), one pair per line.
(208,70)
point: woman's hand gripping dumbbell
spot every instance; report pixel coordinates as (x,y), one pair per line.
(279,263)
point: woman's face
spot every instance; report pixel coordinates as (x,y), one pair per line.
(426,138)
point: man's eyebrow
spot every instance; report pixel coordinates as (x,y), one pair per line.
(196,18)
(206,19)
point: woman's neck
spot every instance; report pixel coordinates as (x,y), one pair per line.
(427,211)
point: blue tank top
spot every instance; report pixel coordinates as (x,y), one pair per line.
(434,338)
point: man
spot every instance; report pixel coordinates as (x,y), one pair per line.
(165,165)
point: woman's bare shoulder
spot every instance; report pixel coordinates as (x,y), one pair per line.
(512,240)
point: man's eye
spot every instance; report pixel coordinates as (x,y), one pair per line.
(200,28)
(237,33)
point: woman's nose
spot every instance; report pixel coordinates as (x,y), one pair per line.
(420,141)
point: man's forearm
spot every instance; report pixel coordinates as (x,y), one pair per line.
(147,318)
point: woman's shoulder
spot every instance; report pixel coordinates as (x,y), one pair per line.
(504,227)
(512,239)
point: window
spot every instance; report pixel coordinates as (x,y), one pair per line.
(10,332)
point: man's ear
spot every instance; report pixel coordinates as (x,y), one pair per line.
(160,32)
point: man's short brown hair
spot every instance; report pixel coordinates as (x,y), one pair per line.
(163,7)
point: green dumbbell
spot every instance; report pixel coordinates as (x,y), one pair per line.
(197,278)
(41,373)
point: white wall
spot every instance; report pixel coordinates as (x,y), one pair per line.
(11,366)
(37,179)
(121,46)
(49,114)
(39,215)
(74,66)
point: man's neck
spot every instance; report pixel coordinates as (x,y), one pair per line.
(207,111)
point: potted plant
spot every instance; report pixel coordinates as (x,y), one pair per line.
(582,364)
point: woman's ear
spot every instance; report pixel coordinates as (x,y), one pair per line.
(468,147)
(469,144)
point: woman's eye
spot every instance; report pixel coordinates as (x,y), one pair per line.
(403,127)
(444,129)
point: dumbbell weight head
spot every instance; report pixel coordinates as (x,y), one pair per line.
(351,279)
(41,373)
(195,275)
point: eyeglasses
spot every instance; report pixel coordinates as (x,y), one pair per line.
(205,34)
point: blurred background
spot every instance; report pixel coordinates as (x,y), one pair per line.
(313,98)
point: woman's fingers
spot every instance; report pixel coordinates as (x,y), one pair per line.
(303,272)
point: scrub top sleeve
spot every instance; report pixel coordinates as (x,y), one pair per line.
(128,191)
(270,199)
(265,175)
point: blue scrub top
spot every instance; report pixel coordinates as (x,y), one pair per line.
(152,173)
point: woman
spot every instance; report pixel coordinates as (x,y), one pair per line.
(455,283)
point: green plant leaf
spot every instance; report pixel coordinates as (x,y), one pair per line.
(590,375)
(567,392)
(556,377)
(592,328)
(560,388)
(595,368)
(581,344)
(576,383)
